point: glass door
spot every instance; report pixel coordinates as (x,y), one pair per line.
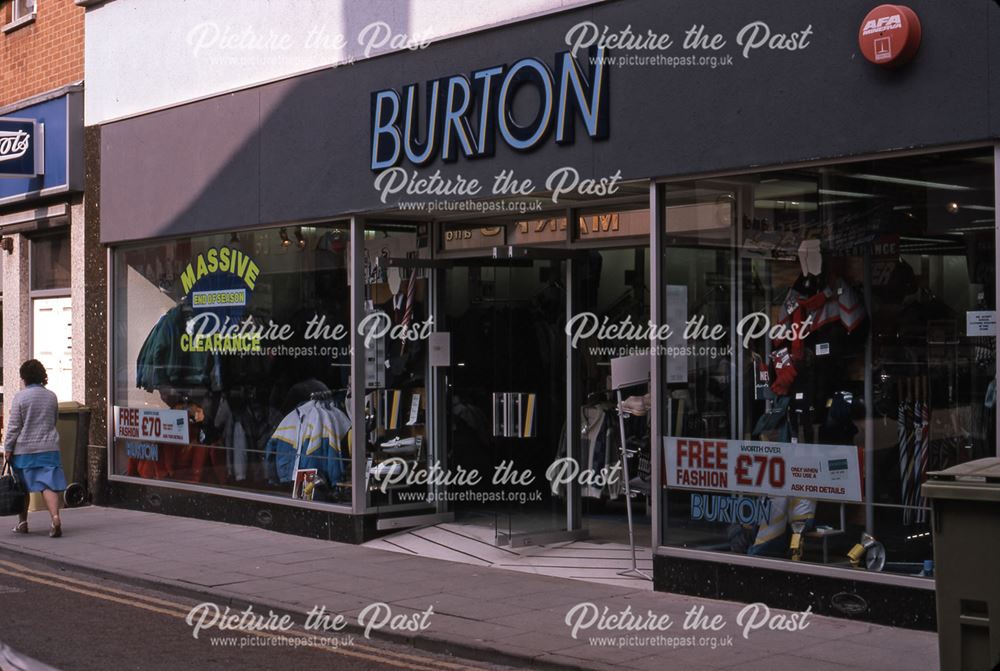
(506,394)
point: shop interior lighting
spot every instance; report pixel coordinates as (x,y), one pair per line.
(909,182)
(845,194)
(283,234)
(299,238)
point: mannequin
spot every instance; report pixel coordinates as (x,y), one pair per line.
(810,257)
(394,279)
(806,390)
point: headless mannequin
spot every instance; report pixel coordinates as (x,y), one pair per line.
(395,280)
(811,262)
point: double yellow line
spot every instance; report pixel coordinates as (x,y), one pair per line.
(180,611)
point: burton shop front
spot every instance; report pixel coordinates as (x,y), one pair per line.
(335,297)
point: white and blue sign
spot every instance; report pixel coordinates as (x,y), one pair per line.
(463,115)
(21,143)
(41,149)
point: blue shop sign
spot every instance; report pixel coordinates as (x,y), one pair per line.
(41,149)
(21,142)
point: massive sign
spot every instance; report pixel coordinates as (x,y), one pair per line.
(463,115)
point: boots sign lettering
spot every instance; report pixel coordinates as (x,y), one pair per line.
(464,114)
(20,147)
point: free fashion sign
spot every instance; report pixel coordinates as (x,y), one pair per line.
(808,470)
(159,425)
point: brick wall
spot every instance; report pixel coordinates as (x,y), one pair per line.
(42,55)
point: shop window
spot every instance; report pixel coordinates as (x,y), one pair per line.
(854,353)
(231,362)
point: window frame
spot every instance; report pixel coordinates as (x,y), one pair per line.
(19,17)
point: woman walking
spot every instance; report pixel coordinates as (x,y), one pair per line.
(32,442)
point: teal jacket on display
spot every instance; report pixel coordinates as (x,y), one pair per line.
(162,362)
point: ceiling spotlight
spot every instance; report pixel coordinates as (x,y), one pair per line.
(283,234)
(952,207)
(298,236)
(234,238)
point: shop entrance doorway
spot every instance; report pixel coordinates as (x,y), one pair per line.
(515,386)
(506,392)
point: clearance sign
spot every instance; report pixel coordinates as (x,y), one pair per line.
(806,470)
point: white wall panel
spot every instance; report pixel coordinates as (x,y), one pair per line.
(143,55)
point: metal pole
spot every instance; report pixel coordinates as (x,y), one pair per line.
(869,407)
(628,493)
(574,516)
(996,281)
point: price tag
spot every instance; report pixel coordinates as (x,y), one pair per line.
(414,410)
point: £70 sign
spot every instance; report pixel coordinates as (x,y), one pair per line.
(752,469)
(151,427)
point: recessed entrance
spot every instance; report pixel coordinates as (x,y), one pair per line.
(519,382)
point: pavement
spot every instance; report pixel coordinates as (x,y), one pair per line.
(494,615)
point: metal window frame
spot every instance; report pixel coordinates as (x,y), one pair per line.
(996,277)
(359,439)
(657,314)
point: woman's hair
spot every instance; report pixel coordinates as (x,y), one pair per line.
(33,372)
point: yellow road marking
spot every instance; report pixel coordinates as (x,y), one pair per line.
(180,611)
(73,581)
(164,602)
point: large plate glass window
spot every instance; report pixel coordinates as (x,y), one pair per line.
(231,359)
(841,344)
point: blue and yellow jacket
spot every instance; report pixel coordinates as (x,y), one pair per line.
(315,434)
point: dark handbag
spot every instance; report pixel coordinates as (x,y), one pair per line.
(12,492)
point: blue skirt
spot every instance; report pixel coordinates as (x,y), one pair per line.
(40,471)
